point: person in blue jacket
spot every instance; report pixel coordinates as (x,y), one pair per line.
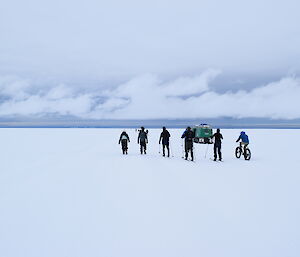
(244,140)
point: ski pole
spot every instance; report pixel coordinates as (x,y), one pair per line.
(194,152)
(159,148)
(206,151)
(182,148)
(171,150)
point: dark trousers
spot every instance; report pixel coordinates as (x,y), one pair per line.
(124,145)
(189,148)
(166,145)
(143,146)
(217,150)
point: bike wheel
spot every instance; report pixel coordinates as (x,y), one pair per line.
(247,155)
(238,152)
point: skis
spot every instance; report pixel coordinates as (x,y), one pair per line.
(215,160)
(167,157)
(188,159)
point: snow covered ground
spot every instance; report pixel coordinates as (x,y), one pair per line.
(71,193)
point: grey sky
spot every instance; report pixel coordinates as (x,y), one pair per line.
(108,44)
(104,39)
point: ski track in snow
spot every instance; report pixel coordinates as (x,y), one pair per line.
(70,192)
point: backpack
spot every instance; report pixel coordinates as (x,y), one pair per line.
(143,136)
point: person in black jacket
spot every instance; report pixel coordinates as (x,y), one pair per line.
(165,138)
(124,139)
(217,145)
(143,140)
(188,136)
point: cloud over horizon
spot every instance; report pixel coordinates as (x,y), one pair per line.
(149,97)
(135,59)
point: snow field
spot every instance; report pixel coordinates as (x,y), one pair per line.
(71,192)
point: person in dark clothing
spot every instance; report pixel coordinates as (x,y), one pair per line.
(165,138)
(143,139)
(124,139)
(188,136)
(217,145)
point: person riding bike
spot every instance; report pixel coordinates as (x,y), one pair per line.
(244,140)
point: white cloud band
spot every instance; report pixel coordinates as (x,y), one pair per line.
(147,97)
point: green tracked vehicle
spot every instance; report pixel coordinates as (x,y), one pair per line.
(203,134)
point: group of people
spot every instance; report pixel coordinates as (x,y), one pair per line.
(143,140)
(188,136)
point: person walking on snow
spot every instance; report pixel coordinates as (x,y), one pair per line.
(124,139)
(244,140)
(217,145)
(165,138)
(188,136)
(143,140)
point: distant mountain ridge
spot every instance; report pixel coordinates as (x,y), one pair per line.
(225,122)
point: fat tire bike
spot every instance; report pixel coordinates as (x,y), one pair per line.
(243,150)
